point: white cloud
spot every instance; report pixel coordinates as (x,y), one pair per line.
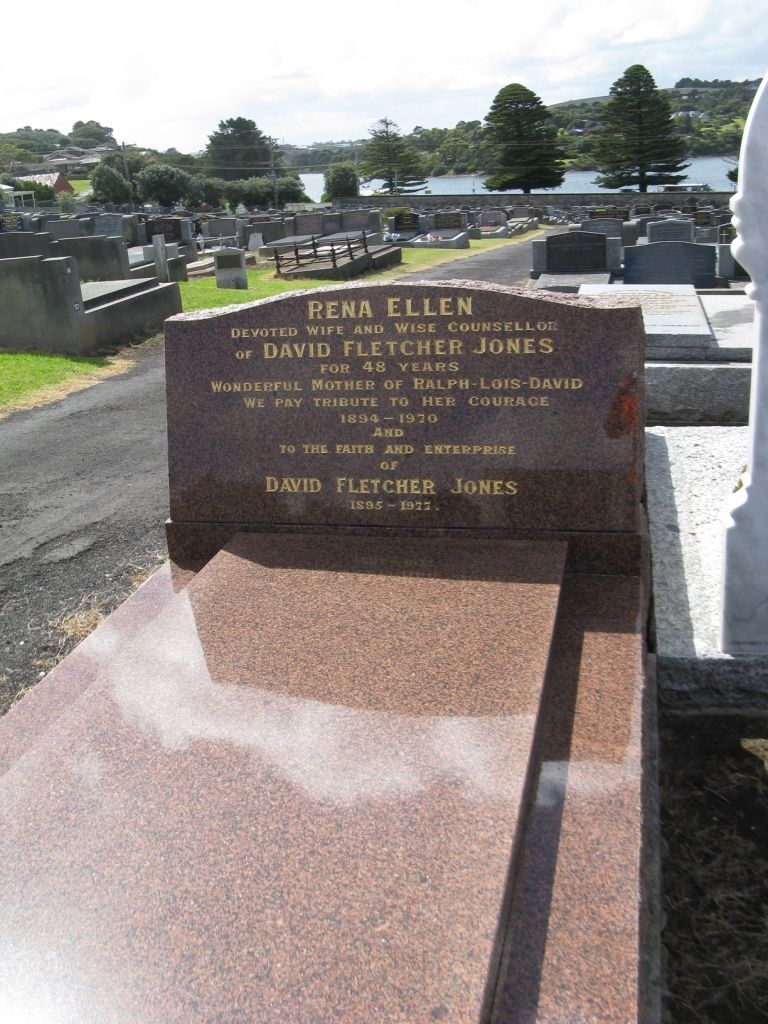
(306,73)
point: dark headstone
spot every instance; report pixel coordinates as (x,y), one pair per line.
(357,220)
(168,227)
(229,268)
(576,250)
(671,263)
(451,220)
(65,229)
(24,243)
(406,221)
(271,230)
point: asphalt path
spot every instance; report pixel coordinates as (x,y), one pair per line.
(84,494)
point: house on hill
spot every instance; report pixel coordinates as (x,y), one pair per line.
(74,160)
(55,179)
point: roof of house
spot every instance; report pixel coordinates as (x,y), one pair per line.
(42,179)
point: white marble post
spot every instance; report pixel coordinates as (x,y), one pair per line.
(744,626)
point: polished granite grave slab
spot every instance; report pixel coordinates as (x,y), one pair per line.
(581,941)
(291,791)
(676,323)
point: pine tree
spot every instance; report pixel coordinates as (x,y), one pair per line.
(238,149)
(639,144)
(520,142)
(388,156)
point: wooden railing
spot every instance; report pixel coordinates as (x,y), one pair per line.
(325,252)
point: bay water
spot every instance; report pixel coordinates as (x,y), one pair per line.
(704,170)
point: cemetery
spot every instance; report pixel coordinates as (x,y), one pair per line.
(379,740)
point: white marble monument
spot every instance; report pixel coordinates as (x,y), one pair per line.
(744,627)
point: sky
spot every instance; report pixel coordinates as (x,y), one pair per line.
(163,74)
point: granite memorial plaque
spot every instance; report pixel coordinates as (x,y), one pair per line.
(407,221)
(671,263)
(450,219)
(429,405)
(670,230)
(610,226)
(676,325)
(576,250)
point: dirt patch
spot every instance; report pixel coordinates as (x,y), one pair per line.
(715,869)
(53,639)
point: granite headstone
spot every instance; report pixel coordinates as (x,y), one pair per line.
(424,406)
(671,263)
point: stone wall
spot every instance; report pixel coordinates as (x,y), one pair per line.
(537,199)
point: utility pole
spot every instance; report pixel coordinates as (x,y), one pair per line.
(272,169)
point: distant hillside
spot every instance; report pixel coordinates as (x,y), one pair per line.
(710,116)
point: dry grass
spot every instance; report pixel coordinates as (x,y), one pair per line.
(79,620)
(715,832)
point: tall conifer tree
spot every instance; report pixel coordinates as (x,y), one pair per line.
(520,142)
(387,155)
(639,144)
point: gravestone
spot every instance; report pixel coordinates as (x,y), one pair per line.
(98,257)
(332,223)
(308,224)
(613,227)
(670,230)
(676,324)
(168,227)
(271,230)
(109,224)
(161,258)
(450,219)
(610,226)
(670,263)
(575,252)
(64,228)
(405,222)
(361,220)
(403,655)
(707,235)
(334,387)
(24,243)
(230,268)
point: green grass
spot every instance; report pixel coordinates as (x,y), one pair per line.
(22,373)
(80,185)
(262,284)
